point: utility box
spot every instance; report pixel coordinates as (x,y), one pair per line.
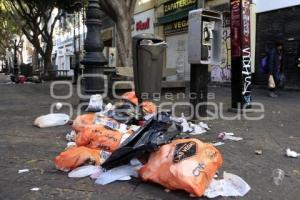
(148,52)
(204,37)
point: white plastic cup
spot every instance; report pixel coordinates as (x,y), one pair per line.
(278,175)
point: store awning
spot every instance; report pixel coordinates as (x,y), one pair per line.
(176,15)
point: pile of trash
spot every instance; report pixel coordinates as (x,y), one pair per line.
(115,142)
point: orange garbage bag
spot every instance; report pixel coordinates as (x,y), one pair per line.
(130,96)
(92,131)
(148,106)
(99,137)
(81,122)
(77,156)
(187,164)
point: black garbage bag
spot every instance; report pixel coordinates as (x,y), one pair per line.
(147,139)
(125,112)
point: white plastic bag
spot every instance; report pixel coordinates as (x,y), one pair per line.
(95,104)
(84,171)
(50,120)
(292,154)
(231,186)
(120,173)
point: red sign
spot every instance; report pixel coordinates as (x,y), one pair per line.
(235,28)
(140,25)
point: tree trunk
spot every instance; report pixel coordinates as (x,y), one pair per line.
(124,41)
(21,56)
(48,57)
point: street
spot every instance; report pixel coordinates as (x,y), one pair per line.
(24,146)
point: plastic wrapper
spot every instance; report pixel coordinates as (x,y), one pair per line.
(95,104)
(186,164)
(84,171)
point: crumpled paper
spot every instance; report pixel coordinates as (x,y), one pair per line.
(230,186)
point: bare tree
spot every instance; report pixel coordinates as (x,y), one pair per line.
(121,12)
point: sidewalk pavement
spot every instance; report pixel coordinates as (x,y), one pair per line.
(24,146)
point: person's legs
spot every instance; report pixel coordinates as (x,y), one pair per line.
(272,92)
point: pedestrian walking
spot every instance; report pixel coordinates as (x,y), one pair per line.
(275,69)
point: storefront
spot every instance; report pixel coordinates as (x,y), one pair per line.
(175,24)
(144,22)
(280,25)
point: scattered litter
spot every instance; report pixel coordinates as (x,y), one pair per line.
(204,125)
(35,189)
(104,146)
(106,109)
(183,123)
(122,128)
(230,186)
(95,104)
(258,152)
(119,173)
(296,172)
(124,137)
(229,136)
(31,161)
(185,126)
(189,127)
(50,120)
(218,144)
(71,136)
(85,171)
(278,175)
(23,171)
(292,154)
(197,129)
(71,144)
(58,106)
(134,127)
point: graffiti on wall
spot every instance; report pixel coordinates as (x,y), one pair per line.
(222,72)
(246,54)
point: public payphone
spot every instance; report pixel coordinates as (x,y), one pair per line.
(204,37)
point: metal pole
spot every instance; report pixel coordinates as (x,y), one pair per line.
(75,53)
(198,86)
(94,59)
(198,83)
(241,56)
